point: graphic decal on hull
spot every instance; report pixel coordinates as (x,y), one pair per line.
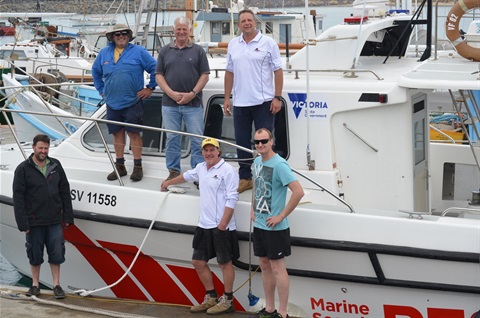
(147,280)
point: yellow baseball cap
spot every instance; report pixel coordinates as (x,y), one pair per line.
(210,141)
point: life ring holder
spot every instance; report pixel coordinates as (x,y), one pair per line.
(452,29)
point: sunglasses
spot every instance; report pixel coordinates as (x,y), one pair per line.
(263,141)
(121,33)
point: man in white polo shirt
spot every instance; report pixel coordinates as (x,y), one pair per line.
(216,234)
(254,72)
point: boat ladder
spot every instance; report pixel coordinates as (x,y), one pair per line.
(469,100)
(140,30)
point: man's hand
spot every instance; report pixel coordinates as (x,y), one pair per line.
(227,107)
(144,93)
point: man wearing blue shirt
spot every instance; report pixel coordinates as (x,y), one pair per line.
(118,75)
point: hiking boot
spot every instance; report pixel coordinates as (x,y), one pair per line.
(137,173)
(208,302)
(223,306)
(173,173)
(122,171)
(245,184)
(33,291)
(265,314)
(58,292)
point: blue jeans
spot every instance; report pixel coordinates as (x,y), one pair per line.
(172,120)
(243,117)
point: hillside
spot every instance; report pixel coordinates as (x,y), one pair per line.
(101,6)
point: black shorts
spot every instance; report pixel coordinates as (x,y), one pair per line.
(208,243)
(271,244)
(130,115)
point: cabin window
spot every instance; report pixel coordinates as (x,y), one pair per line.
(5,54)
(221,127)
(269,27)
(225,28)
(216,27)
(153,140)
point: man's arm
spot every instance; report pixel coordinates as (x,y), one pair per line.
(19,188)
(276,105)
(202,81)
(297,194)
(227,216)
(228,84)
(177,180)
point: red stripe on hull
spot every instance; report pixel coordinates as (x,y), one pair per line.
(150,274)
(104,264)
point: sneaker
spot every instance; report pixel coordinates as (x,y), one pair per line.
(122,171)
(208,302)
(137,173)
(58,292)
(33,291)
(265,314)
(245,184)
(223,306)
(173,173)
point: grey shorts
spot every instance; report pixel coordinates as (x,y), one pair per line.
(208,243)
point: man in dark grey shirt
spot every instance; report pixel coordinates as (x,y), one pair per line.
(182,73)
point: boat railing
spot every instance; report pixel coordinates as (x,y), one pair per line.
(48,98)
(42,62)
(348,73)
(98,121)
(462,210)
(442,25)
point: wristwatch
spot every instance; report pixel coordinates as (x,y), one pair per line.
(278,97)
(194,93)
(152,88)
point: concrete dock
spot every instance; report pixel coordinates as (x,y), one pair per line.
(14,303)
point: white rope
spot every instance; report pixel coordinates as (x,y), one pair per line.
(85,309)
(12,295)
(83,292)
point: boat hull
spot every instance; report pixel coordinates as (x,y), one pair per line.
(329,278)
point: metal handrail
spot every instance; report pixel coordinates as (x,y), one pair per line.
(461,210)
(350,72)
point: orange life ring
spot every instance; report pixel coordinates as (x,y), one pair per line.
(453,32)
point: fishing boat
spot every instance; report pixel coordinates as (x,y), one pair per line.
(390,222)
(216,26)
(24,93)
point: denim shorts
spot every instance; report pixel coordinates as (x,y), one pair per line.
(208,243)
(49,236)
(271,244)
(130,115)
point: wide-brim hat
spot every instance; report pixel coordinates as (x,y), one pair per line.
(119,28)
